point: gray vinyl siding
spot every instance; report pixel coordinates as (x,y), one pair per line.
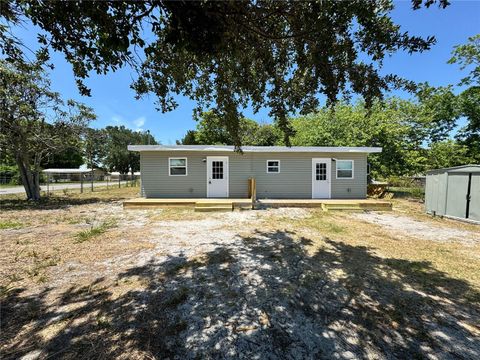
(293,181)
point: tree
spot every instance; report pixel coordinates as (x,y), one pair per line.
(212,130)
(447,154)
(469,135)
(69,158)
(188,139)
(468,56)
(395,125)
(94,147)
(440,110)
(227,55)
(118,157)
(35,122)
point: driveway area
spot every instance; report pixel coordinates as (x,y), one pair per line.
(92,280)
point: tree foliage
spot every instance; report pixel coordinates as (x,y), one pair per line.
(117,156)
(231,54)
(212,130)
(69,158)
(468,56)
(35,121)
(447,153)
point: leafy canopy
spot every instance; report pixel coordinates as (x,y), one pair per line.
(36,123)
(211,130)
(229,54)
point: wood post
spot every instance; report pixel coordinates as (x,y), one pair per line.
(252,190)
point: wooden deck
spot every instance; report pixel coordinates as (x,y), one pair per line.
(230,204)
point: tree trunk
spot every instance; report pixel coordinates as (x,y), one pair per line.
(31,185)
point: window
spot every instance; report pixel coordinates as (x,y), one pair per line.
(273,166)
(321,171)
(177,166)
(344,169)
(217,169)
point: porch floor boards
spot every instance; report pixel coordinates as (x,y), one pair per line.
(325,204)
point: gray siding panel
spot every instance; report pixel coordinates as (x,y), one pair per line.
(293,181)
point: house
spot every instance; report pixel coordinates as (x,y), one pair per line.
(213,171)
(57,175)
(116,176)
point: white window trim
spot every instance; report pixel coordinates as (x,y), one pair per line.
(344,178)
(178,158)
(273,172)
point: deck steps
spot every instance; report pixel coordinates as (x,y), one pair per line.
(380,206)
(205,205)
(210,206)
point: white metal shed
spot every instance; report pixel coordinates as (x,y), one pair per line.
(454,192)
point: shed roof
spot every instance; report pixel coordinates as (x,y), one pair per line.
(470,168)
(264,149)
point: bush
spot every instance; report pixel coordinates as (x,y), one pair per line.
(9,174)
(399,181)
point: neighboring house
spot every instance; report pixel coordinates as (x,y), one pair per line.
(211,171)
(74,174)
(55,175)
(115,176)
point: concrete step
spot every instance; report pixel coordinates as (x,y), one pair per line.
(214,208)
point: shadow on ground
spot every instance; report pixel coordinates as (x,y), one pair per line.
(265,297)
(51,202)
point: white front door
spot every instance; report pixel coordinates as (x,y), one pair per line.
(321,182)
(217,176)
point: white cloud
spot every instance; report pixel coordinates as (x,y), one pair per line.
(117,119)
(139,122)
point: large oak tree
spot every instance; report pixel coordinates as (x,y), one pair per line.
(229,54)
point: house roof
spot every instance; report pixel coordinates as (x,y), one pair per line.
(265,149)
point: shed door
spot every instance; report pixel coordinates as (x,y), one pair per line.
(321,182)
(457,195)
(217,176)
(475,198)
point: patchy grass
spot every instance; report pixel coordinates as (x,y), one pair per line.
(145,293)
(455,259)
(61,200)
(413,192)
(7,224)
(95,231)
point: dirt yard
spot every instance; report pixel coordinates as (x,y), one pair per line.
(83,278)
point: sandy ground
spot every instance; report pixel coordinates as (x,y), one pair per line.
(242,285)
(418,229)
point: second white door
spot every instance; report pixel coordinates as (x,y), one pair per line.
(321,182)
(217,176)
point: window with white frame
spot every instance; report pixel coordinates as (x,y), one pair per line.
(344,169)
(273,166)
(177,166)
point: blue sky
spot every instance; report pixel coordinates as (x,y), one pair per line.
(114,102)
